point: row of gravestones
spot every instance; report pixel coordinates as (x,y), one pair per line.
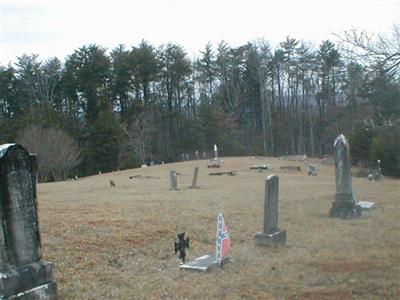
(174,179)
(344,206)
(186,157)
(25,275)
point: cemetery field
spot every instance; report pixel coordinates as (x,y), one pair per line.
(118,242)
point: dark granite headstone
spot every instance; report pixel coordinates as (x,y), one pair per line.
(23,275)
(272,236)
(345,204)
(195,175)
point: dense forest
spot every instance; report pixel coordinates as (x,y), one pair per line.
(108,109)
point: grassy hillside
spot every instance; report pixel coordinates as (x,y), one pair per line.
(117,242)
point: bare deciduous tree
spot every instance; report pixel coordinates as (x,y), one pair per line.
(139,135)
(382,49)
(57,152)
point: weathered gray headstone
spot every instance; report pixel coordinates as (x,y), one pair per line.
(345,204)
(187,156)
(197,155)
(174,180)
(183,156)
(23,273)
(312,171)
(195,175)
(272,235)
(204,155)
(376,174)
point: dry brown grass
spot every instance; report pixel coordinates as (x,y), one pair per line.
(117,242)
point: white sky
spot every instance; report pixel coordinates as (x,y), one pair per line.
(57,28)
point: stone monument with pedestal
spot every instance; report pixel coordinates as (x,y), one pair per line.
(345,204)
(23,273)
(272,235)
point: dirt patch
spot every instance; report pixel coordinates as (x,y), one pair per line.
(346,266)
(324,294)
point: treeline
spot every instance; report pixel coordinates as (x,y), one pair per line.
(132,104)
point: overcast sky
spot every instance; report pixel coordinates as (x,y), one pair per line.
(58,27)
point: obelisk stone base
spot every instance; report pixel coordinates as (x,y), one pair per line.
(274,239)
(345,206)
(47,291)
(34,278)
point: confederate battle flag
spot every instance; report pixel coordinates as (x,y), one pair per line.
(223,242)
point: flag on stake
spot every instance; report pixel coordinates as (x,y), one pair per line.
(223,241)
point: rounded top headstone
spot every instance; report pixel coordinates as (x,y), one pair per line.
(4,148)
(341,139)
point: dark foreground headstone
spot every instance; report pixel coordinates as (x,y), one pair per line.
(23,273)
(272,235)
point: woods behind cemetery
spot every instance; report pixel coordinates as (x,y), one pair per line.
(117,242)
(108,109)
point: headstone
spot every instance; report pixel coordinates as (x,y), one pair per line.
(272,235)
(183,156)
(194,182)
(345,204)
(291,168)
(222,246)
(174,180)
(312,171)
(204,155)
(197,155)
(203,263)
(187,156)
(215,152)
(23,273)
(214,163)
(260,168)
(379,169)
(376,174)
